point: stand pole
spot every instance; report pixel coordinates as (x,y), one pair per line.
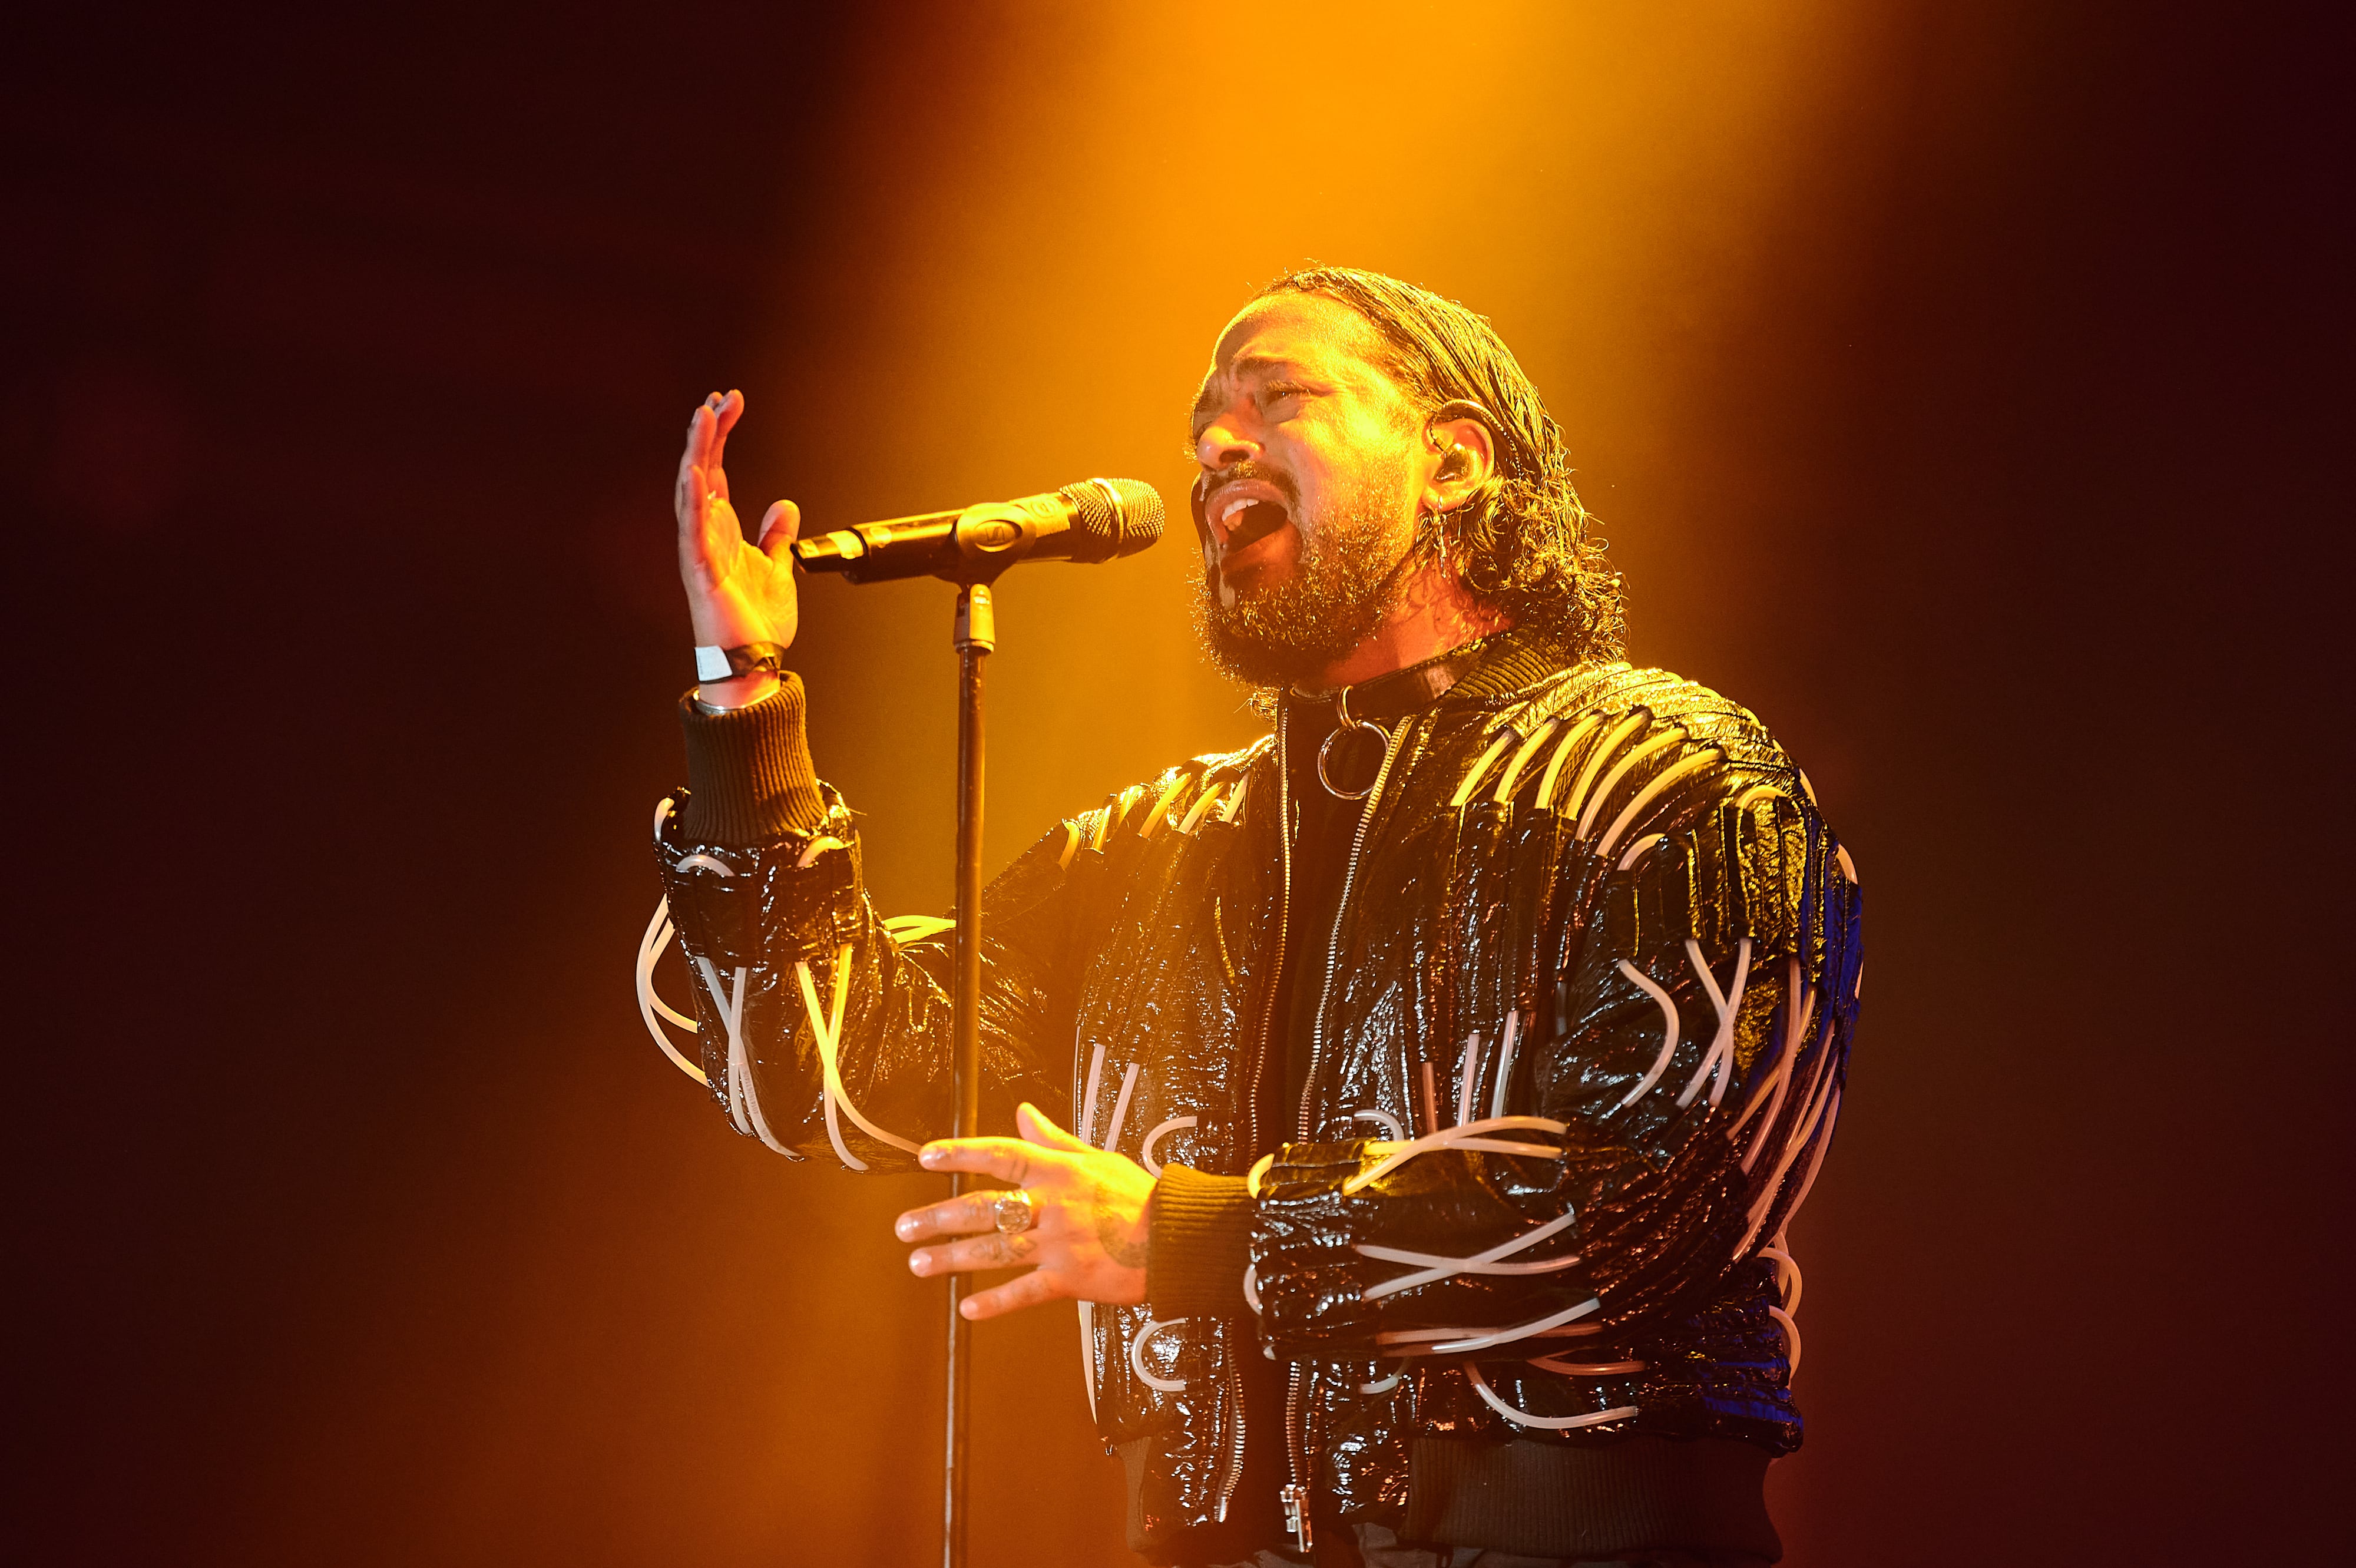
(976,636)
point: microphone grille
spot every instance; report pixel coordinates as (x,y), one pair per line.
(1113,517)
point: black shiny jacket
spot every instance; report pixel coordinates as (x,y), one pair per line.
(1596,923)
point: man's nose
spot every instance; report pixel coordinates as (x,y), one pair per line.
(1224,443)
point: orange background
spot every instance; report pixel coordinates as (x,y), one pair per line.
(1949,381)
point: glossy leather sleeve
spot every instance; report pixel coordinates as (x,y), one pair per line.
(765,927)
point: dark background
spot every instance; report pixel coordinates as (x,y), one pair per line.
(354,1218)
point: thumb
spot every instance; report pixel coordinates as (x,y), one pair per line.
(1036,1127)
(779,528)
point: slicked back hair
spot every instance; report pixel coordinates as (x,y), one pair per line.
(1522,542)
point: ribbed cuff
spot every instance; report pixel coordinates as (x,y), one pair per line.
(748,771)
(1197,1244)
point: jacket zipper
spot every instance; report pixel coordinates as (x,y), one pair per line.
(1296,1494)
(1259,1065)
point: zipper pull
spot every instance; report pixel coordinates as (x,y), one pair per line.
(1296,1514)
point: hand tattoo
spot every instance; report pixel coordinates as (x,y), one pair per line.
(1113,1229)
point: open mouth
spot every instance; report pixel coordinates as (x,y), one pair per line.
(1249,521)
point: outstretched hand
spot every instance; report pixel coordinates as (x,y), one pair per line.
(738,591)
(1086,1241)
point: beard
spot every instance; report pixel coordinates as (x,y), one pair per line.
(1348,575)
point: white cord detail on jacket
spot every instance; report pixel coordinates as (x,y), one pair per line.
(1251,1287)
(827,1028)
(1555,1363)
(1383,1387)
(1791,1342)
(1145,1151)
(1645,797)
(1201,808)
(659,933)
(1410,1341)
(1137,1356)
(1808,1182)
(1775,1183)
(727,1005)
(1788,1285)
(1720,1054)
(1771,1093)
(1808,1097)
(1636,851)
(1506,1335)
(1431,1267)
(744,1098)
(1550,1422)
(906,929)
(1620,769)
(1086,1121)
(1155,817)
(816,847)
(1504,1063)
(1479,768)
(1389,1123)
(1467,1077)
(1668,1034)
(1120,1108)
(1628,726)
(1235,805)
(1474,1135)
(1561,752)
(1521,759)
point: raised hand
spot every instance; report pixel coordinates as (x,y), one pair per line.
(1087,1239)
(737,591)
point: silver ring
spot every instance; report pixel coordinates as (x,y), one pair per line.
(1015,1212)
(1349,724)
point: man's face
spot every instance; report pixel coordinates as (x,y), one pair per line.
(1308,449)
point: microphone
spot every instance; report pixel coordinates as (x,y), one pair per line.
(1096,519)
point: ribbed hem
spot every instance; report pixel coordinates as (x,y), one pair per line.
(748,771)
(1197,1244)
(1545,1500)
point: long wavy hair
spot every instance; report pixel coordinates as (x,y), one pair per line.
(1523,543)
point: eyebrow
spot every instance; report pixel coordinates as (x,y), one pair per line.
(1205,400)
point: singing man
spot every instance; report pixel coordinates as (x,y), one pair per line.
(1416,1100)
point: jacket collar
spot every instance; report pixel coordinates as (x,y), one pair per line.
(1497,665)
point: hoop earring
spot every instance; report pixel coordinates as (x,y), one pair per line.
(1439,539)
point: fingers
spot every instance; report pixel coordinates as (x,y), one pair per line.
(1037,1127)
(707,435)
(725,412)
(992,1252)
(958,1217)
(686,492)
(1007,1159)
(1029,1290)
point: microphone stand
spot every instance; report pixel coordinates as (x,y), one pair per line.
(975,637)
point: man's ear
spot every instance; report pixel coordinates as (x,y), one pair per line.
(1464,454)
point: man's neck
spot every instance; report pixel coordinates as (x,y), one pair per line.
(1434,614)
